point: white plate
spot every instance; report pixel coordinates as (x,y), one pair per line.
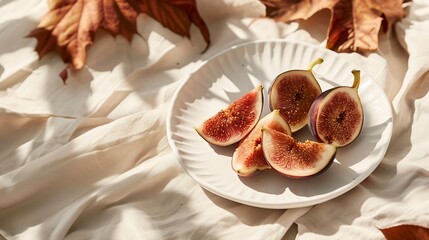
(237,70)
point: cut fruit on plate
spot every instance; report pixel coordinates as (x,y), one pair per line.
(248,157)
(240,68)
(293,92)
(233,123)
(336,116)
(296,159)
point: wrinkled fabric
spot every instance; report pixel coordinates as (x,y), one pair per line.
(90,159)
(397,191)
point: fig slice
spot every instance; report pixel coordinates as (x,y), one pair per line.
(293,92)
(231,124)
(293,158)
(336,116)
(248,157)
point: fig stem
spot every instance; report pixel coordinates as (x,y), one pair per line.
(314,63)
(356,81)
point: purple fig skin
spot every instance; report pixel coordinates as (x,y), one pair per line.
(317,106)
(312,114)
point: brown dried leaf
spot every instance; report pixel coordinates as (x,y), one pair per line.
(406,232)
(177,15)
(70,25)
(354,24)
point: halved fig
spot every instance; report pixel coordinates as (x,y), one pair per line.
(293,158)
(231,124)
(248,157)
(293,92)
(336,116)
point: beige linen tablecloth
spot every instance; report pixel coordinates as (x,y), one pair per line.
(90,159)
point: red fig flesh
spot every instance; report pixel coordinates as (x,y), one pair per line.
(293,92)
(336,116)
(231,124)
(248,157)
(296,159)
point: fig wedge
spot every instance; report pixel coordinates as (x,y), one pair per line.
(293,92)
(293,158)
(248,158)
(336,116)
(233,123)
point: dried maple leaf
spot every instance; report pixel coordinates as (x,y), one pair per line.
(354,24)
(70,25)
(406,232)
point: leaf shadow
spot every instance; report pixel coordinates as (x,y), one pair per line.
(113,51)
(142,87)
(5,2)
(180,52)
(13,39)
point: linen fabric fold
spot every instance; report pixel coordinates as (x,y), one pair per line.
(90,159)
